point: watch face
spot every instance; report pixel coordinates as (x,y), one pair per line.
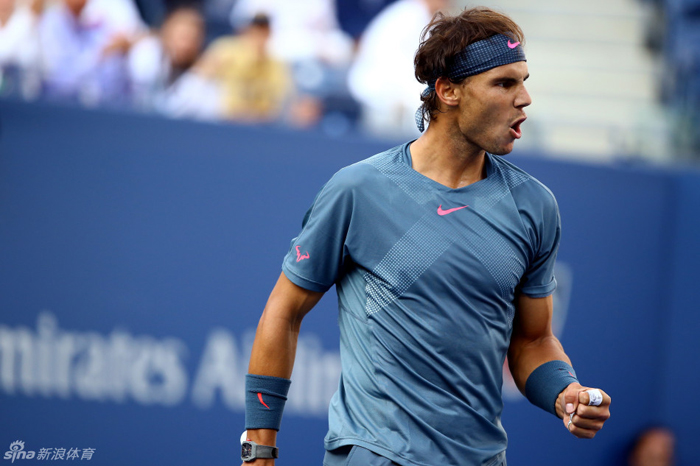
(246,450)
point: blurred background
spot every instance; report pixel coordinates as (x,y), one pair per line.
(156,157)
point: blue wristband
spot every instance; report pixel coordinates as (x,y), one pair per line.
(264,401)
(546,383)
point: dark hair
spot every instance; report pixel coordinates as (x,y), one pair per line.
(446,36)
(260,20)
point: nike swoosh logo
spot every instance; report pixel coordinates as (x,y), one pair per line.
(449,211)
(261,400)
(512,46)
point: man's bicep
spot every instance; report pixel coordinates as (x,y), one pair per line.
(291,301)
(533,317)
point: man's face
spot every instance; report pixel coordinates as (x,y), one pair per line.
(492,107)
(183,35)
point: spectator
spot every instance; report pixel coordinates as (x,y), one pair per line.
(301,31)
(19,47)
(84,60)
(653,447)
(382,79)
(160,69)
(306,35)
(255,85)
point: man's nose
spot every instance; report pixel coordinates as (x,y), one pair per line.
(523,99)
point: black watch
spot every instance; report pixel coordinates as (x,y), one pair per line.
(250,451)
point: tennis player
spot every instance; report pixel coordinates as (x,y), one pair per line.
(442,253)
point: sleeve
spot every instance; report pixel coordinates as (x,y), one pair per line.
(538,281)
(317,255)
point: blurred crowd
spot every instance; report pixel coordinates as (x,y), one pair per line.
(672,34)
(315,63)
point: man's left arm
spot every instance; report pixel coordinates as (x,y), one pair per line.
(533,346)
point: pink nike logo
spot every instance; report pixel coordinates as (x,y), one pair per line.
(512,46)
(449,211)
(261,400)
(300,256)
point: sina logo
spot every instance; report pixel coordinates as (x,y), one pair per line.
(17,452)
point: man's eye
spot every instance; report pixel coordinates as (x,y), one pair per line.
(507,84)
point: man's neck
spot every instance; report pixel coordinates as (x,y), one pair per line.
(75,12)
(448,159)
(5,15)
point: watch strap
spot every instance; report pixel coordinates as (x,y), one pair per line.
(250,451)
(266,451)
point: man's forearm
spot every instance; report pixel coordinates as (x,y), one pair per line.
(524,356)
(275,342)
(274,347)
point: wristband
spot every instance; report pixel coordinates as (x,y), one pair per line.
(264,401)
(545,383)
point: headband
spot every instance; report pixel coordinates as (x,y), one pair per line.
(476,58)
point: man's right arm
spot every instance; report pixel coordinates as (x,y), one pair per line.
(275,342)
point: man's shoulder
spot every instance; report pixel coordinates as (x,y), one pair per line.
(369,169)
(523,186)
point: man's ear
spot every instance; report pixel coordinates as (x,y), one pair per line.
(447,91)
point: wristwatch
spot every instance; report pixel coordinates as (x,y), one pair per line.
(250,451)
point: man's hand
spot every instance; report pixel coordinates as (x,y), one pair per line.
(586,420)
(117,45)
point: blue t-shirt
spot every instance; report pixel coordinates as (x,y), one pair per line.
(426,278)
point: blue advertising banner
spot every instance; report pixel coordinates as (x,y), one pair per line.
(137,254)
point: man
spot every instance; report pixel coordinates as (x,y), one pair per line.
(83,59)
(161,68)
(442,255)
(255,85)
(19,45)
